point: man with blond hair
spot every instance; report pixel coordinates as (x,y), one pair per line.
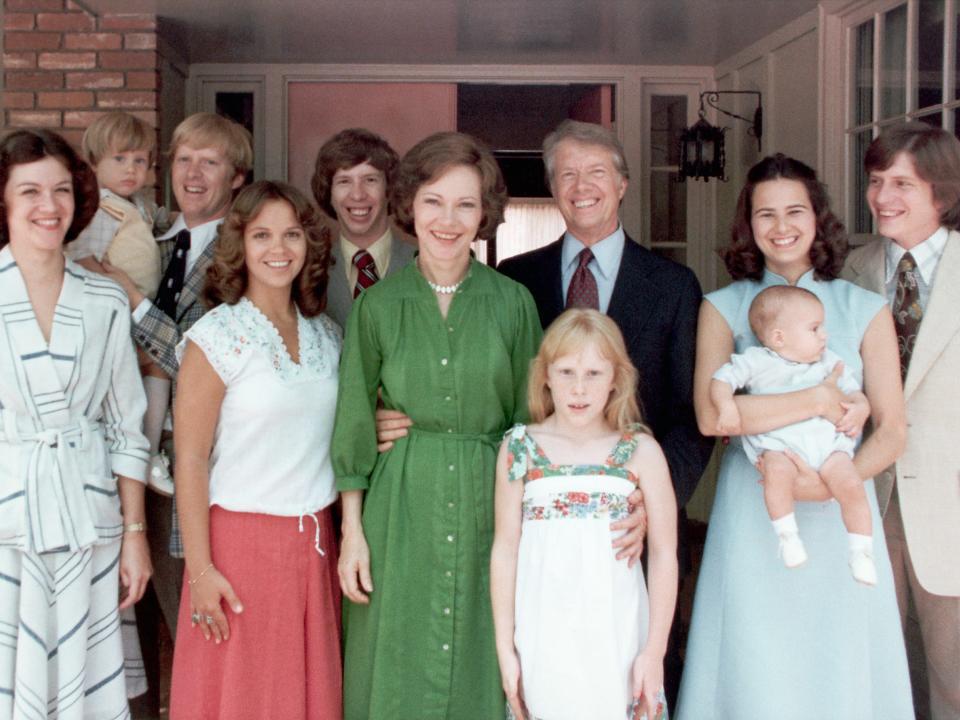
(209,160)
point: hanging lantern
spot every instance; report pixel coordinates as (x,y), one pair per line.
(701,151)
(701,145)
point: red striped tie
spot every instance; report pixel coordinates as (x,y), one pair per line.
(366,271)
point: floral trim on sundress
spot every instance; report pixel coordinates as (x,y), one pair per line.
(527,461)
(633,711)
(578,506)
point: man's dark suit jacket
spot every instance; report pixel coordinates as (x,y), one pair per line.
(655,303)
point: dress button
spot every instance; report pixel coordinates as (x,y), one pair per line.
(447,398)
(446,611)
(450,329)
(449,504)
(446,647)
(449,538)
(449,430)
(449,573)
(450,468)
(443,361)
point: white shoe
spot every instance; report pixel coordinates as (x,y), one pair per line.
(792,551)
(862,567)
(158,475)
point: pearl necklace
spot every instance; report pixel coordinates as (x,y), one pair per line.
(445,289)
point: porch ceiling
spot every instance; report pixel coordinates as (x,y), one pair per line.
(641,32)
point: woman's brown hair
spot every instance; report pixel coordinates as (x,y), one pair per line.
(829,249)
(22,147)
(430,158)
(227,275)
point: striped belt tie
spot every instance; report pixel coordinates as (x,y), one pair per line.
(58,516)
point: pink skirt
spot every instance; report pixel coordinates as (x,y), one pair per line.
(283,656)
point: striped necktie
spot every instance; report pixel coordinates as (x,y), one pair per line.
(582,292)
(366,271)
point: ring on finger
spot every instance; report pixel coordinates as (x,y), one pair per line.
(208,619)
(195,618)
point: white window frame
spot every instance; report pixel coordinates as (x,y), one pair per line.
(699,252)
(839,20)
(628,83)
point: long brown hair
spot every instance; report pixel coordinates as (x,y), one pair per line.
(227,276)
(829,249)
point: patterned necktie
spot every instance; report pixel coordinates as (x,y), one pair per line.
(907,312)
(172,283)
(366,271)
(582,292)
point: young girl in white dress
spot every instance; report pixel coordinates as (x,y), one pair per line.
(577,635)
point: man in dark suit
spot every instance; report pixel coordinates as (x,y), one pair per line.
(654,301)
(350,184)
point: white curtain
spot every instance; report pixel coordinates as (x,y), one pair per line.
(528,224)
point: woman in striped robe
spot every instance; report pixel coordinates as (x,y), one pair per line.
(72,457)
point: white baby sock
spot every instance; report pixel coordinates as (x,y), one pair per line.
(860,542)
(786,525)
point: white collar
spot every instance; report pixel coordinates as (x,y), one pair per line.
(926,255)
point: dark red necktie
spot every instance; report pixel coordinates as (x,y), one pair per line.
(582,292)
(366,271)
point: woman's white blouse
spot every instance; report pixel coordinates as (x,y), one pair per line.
(271,449)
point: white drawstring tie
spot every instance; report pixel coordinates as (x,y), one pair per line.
(316,537)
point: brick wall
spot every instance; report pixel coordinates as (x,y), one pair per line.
(62,66)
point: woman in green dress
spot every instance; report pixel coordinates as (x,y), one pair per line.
(447,341)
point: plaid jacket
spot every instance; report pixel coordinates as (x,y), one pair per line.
(158,335)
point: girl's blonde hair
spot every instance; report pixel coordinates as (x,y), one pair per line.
(569,334)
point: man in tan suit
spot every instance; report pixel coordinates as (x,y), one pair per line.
(914,195)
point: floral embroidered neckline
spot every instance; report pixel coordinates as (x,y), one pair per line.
(263,334)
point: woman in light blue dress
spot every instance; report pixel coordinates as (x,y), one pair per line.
(767,641)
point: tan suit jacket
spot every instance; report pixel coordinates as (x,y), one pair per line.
(928,473)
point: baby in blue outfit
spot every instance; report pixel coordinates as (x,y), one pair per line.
(788,321)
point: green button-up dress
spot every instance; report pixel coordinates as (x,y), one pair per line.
(423,649)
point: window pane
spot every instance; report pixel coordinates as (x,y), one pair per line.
(893,96)
(930,53)
(956,122)
(863,75)
(956,61)
(668,118)
(861,221)
(668,208)
(936,119)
